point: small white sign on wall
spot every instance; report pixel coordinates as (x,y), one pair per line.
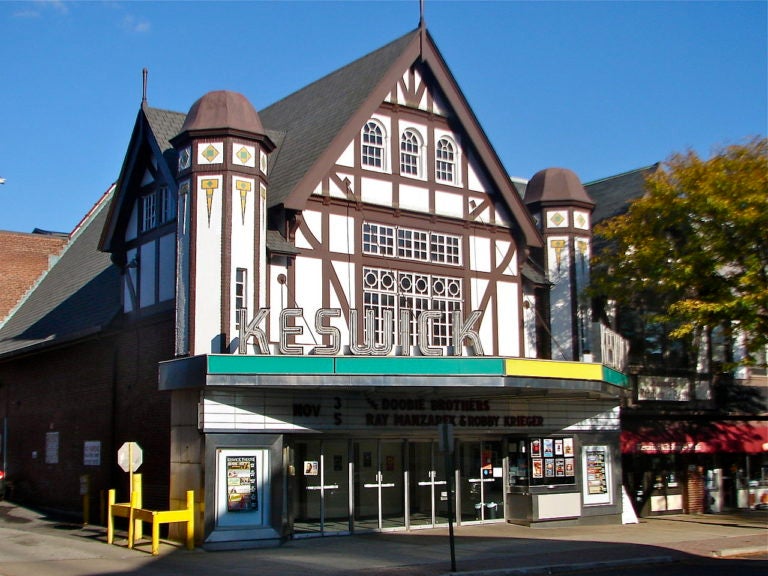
(92,453)
(52,448)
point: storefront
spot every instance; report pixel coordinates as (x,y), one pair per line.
(303,446)
(695,467)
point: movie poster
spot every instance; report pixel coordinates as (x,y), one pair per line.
(241,484)
(596,473)
(538,467)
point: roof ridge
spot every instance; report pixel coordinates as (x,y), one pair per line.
(325,77)
(164,110)
(628,172)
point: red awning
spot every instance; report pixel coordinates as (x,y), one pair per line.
(679,437)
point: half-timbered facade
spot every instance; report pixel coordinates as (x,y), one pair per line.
(356,288)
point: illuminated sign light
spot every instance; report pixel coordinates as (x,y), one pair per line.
(368,346)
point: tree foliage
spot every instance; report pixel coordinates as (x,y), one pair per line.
(694,248)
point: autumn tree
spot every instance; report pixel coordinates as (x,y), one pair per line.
(692,252)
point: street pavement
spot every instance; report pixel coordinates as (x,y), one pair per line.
(33,544)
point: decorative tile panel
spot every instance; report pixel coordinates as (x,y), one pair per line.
(185,158)
(243,187)
(210,185)
(557,219)
(210,153)
(243,155)
(581,220)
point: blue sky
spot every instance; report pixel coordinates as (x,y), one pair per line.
(599,87)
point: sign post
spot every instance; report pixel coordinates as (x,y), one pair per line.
(129,458)
(445,436)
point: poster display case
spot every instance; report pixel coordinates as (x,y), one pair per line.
(542,461)
(596,468)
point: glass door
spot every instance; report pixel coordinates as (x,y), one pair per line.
(428,488)
(321,501)
(393,484)
(378,478)
(480,471)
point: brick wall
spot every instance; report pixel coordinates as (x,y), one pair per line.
(23,258)
(101,389)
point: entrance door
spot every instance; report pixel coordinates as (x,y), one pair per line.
(480,465)
(428,488)
(378,477)
(322,487)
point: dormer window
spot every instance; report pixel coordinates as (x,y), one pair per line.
(445,161)
(166,205)
(157,208)
(148,212)
(373,146)
(410,154)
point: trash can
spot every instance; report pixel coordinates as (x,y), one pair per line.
(479,511)
(490,510)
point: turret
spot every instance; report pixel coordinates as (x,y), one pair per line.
(562,209)
(221,239)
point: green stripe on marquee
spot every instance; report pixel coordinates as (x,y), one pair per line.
(403,365)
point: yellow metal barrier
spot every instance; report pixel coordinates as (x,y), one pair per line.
(134,514)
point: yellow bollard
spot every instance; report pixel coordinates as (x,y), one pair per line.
(110,518)
(191,521)
(138,529)
(85,492)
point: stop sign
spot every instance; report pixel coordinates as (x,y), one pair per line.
(129,456)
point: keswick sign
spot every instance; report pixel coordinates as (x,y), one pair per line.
(367,346)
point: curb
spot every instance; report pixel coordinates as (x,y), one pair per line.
(566,568)
(727,552)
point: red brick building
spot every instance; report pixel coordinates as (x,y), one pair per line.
(23,258)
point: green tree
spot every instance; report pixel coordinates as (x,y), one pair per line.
(692,253)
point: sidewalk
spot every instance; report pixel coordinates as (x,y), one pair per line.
(33,544)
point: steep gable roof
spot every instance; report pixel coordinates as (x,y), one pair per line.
(313,117)
(79,294)
(165,125)
(321,119)
(612,195)
(313,125)
(153,129)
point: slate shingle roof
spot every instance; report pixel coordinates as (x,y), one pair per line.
(311,117)
(165,125)
(612,195)
(303,123)
(79,295)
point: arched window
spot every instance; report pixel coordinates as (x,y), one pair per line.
(373,145)
(445,161)
(410,154)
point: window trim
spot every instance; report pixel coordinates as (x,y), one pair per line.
(148,212)
(241,300)
(417,154)
(398,297)
(450,255)
(453,163)
(380,147)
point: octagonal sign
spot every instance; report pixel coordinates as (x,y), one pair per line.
(130,456)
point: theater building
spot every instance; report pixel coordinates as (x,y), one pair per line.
(339,288)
